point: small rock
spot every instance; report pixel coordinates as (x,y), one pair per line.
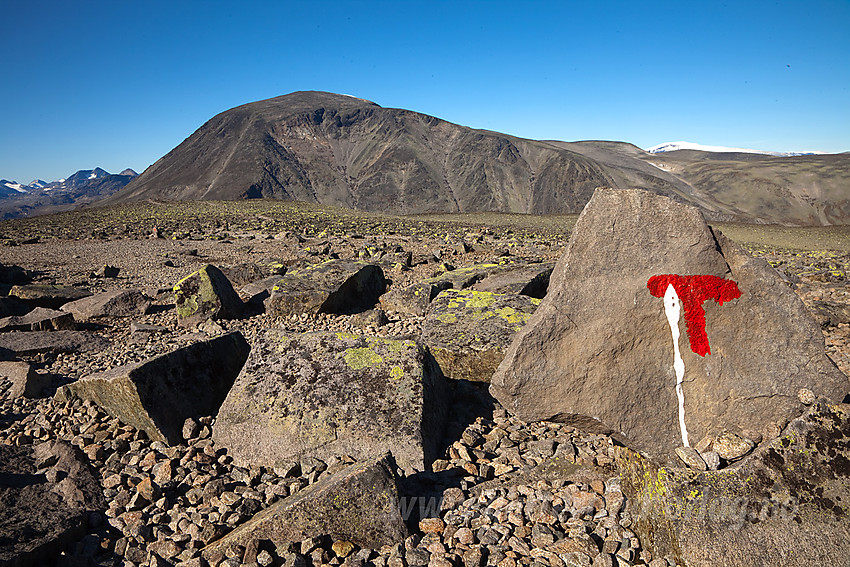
(691,458)
(342,548)
(712,460)
(432,525)
(731,446)
(806,396)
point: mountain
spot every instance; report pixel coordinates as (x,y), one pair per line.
(676,146)
(83,187)
(345,151)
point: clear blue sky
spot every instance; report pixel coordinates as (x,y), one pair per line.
(118,84)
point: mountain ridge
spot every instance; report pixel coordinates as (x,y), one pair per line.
(344,151)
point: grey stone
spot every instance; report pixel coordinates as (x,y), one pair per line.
(116,303)
(39,319)
(597,353)
(50,296)
(711,460)
(11,274)
(326,395)
(206,294)
(159,394)
(414,298)
(41,517)
(28,343)
(25,381)
(786,504)
(358,504)
(469,331)
(531,280)
(691,458)
(731,446)
(335,286)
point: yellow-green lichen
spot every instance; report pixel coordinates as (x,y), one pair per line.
(396,373)
(359,358)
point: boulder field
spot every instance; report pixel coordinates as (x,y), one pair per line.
(647,393)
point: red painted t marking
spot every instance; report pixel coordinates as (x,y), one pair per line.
(693,291)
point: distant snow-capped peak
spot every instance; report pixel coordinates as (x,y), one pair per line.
(674,146)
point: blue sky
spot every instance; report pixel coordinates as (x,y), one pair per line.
(119,84)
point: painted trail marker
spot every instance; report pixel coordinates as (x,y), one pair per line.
(689,292)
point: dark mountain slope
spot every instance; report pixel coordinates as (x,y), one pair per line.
(339,150)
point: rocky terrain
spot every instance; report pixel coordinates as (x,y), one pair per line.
(501,491)
(339,150)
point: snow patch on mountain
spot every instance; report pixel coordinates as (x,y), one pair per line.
(674,146)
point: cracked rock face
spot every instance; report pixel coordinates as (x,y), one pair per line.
(598,351)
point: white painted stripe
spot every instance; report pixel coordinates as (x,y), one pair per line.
(673,310)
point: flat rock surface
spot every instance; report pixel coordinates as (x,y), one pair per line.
(50,296)
(115,303)
(36,342)
(327,394)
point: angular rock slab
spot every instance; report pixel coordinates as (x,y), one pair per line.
(531,280)
(40,516)
(469,331)
(39,319)
(358,504)
(335,286)
(28,343)
(159,394)
(414,298)
(50,296)
(24,380)
(116,303)
(326,394)
(206,294)
(787,504)
(598,352)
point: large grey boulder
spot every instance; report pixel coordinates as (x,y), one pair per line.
(787,504)
(326,394)
(116,303)
(159,394)
(598,353)
(46,494)
(359,504)
(39,319)
(335,286)
(469,331)
(206,294)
